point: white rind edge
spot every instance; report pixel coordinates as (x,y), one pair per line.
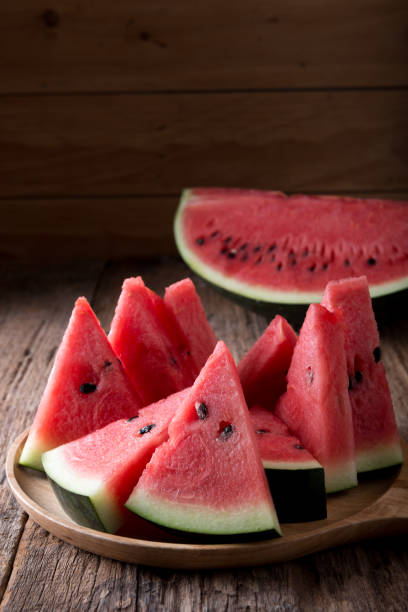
(201,519)
(312,464)
(252,292)
(381,456)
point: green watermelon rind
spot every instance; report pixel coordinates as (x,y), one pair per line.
(249,291)
(77,486)
(202,520)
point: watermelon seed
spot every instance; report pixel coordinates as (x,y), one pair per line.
(258,261)
(146,429)
(358,376)
(107,364)
(310,374)
(226,431)
(291,254)
(227,239)
(350,384)
(87,388)
(232,253)
(305,252)
(272,258)
(272,247)
(257,248)
(347,262)
(201,410)
(224,250)
(215,234)
(293,262)
(377,354)
(279,267)
(243,246)
(312,268)
(299,446)
(371,261)
(325,266)
(173,361)
(244,257)
(262,431)
(132,418)
(200,241)
(120,363)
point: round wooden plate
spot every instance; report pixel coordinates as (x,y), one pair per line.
(377,507)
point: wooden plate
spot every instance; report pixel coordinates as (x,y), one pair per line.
(377,507)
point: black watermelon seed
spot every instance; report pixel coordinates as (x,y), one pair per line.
(293,262)
(146,429)
(312,268)
(224,250)
(262,431)
(87,388)
(358,376)
(119,361)
(258,261)
(325,266)
(215,234)
(232,253)
(257,248)
(243,246)
(173,361)
(350,384)
(371,261)
(132,418)
(244,257)
(227,239)
(347,262)
(279,267)
(200,241)
(273,257)
(291,253)
(377,354)
(201,410)
(305,252)
(272,247)
(107,364)
(299,446)
(227,432)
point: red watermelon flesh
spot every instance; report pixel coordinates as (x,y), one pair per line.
(271,247)
(150,358)
(264,367)
(183,301)
(104,466)
(208,477)
(316,405)
(87,388)
(375,431)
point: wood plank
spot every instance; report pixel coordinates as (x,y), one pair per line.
(204,45)
(125,145)
(51,575)
(34,309)
(97,227)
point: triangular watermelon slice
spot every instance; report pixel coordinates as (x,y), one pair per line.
(295,478)
(149,355)
(316,406)
(264,367)
(375,431)
(208,477)
(87,388)
(185,304)
(93,476)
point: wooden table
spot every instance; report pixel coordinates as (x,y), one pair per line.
(39,572)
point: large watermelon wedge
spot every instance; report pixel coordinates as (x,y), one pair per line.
(208,477)
(150,352)
(269,247)
(375,431)
(316,406)
(295,478)
(263,369)
(87,388)
(94,475)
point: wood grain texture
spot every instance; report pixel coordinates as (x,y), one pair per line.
(111,145)
(114,228)
(48,574)
(206,45)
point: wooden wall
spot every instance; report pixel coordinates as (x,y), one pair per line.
(108,109)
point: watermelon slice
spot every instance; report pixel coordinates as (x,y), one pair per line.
(94,475)
(264,367)
(208,477)
(182,299)
(295,478)
(316,406)
(269,247)
(375,431)
(140,336)
(87,388)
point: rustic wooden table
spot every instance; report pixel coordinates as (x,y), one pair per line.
(39,572)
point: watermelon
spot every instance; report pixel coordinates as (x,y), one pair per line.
(94,475)
(263,368)
(149,348)
(269,247)
(182,300)
(208,477)
(87,388)
(316,406)
(375,431)
(295,478)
